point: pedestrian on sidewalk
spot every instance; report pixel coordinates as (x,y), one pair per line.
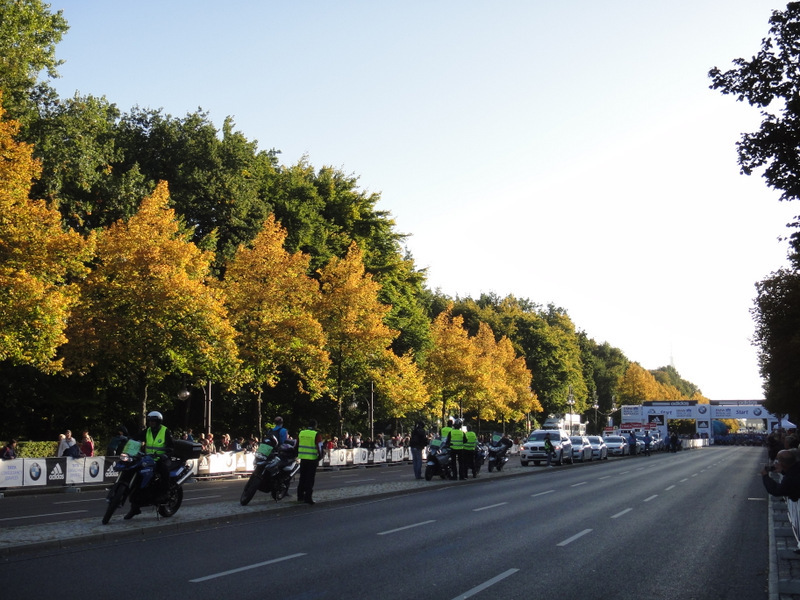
(787,465)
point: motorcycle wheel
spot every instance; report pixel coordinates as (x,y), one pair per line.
(114,503)
(280,490)
(250,489)
(428,473)
(500,466)
(491,466)
(173,503)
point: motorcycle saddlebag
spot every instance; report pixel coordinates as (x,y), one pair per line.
(186,449)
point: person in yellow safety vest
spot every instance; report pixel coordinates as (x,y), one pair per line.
(445,435)
(457,439)
(158,443)
(309,451)
(470,447)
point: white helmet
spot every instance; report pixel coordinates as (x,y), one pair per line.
(155,415)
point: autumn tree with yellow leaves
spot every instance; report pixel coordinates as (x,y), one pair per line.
(271,299)
(39,262)
(146,310)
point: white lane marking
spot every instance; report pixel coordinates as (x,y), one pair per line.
(619,514)
(574,537)
(623,473)
(186,498)
(760,499)
(69,512)
(406,527)
(486,584)
(684,479)
(358,480)
(669,488)
(577,484)
(604,477)
(487,507)
(247,568)
(650,498)
(695,475)
(542,493)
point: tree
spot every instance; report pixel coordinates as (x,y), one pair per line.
(450,363)
(771,81)
(29,33)
(638,385)
(39,262)
(353,320)
(146,310)
(270,299)
(777,336)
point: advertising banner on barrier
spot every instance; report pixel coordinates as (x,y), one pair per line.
(109,474)
(93,469)
(12,472)
(221,463)
(74,471)
(56,471)
(35,472)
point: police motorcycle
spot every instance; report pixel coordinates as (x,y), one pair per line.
(497,452)
(138,478)
(439,460)
(275,465)
(481,452)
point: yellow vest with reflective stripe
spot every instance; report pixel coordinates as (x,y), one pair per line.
(445,431)
(307,446)
(471,442)
(457,439)
(156,445)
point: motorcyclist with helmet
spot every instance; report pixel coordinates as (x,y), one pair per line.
(457,441)
(158,443)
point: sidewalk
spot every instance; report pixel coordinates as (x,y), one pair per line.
(784,564)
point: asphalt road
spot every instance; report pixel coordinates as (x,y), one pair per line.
(691,525)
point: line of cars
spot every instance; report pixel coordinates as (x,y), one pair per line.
(575,448)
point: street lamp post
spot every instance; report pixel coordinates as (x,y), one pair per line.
(571,404)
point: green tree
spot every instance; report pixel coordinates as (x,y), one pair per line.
(270,299)
(777,336)
(146,311)
(29,33)
(770,80)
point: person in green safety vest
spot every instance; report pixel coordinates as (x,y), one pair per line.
(457,439)
(158,443)
(445,435)
(309,451)
(470,448)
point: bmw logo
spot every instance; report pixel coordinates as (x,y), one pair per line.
(94,469)
(35,471)
(756,411)
(702,410)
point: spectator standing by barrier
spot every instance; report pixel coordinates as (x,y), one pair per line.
(309,453)
(10,451)
(419,439)
(87,444)
(788,466)
(66,443)
(117,443)
(279,431)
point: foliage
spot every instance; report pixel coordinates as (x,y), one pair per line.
(353,320)
(777,336)
(29,33)
(146,311)
(38,262)
(270,301)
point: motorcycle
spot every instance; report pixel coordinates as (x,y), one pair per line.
(480,457)
(138,478)
(498,454)
(439,461)
(274,468)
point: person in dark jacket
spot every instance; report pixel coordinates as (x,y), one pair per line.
(787,464)
(418,441)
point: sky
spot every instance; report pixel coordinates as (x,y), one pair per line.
(563,152)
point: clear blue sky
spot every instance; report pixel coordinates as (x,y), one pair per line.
(566,152)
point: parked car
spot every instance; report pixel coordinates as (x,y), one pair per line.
(581,448)
(533,448)
(617,445)
(599,448)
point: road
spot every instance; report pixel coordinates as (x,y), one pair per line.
(687,526)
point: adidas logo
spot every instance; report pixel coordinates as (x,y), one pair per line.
(56,473)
